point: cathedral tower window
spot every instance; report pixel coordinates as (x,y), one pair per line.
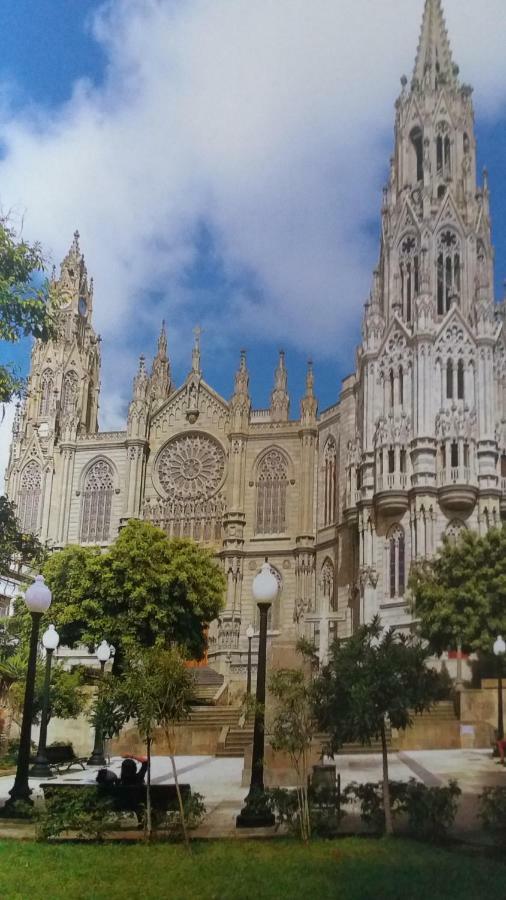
(328,587)
(454,530)
(416,137)
(46,392)
(448,270)
(449,380)
(391,389)
(29,498)
(454,455)
(460,380)
(271,494)
(409,264)
(97,502)
(401,387)
(443,150)
(330,485)
(69,392)
(396,562)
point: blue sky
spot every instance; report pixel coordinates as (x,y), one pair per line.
(223,161)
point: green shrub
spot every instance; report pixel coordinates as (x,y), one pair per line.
(11,756)
(492,811)
(82,811)
(325,810)
(194,811)
(430,811)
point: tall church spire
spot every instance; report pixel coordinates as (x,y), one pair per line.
(280,401)
(240,403)
(160,383)
(434,65)
(309,404)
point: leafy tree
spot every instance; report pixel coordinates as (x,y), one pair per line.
(25,309)
(66,697)
(144,591)
(459,597)
(371,677)
(292,730)
(155,691)
(16,548)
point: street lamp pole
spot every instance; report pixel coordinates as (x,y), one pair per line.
(40,768)
(499,650)
(250,631)
(97,758)
(38,600)
(255,813)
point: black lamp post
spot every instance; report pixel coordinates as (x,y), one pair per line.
(499,650)
(250,631)
(40,768)
(255,813)
(97,758)
(38,600)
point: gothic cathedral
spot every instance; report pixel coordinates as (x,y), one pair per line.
(342,501)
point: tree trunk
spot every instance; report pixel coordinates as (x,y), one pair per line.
(389,829)
(180,802)
(149,821)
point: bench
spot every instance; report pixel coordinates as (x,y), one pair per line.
(63,758)
(128,797)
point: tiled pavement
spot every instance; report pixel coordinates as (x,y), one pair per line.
(219,780)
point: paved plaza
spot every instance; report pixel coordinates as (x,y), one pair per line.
(219,781)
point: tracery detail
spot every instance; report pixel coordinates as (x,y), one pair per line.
(29,498)
(97,502)
(191,467)
(271,494)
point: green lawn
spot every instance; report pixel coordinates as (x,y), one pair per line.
(239,870)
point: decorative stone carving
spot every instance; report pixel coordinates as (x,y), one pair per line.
(191,466)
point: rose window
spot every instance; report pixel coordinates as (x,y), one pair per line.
(191,466)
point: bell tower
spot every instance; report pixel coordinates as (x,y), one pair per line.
(63,385)
(427,400)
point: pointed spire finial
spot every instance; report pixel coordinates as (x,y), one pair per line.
(197,331)
(280,402)
(309,378)
(160,381)
(434,64)
(162,340)
(309,404)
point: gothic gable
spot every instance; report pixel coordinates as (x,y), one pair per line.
(449,215)
(194,402)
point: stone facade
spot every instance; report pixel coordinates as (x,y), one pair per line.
(341,502)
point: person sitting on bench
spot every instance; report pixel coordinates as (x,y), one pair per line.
(129,773)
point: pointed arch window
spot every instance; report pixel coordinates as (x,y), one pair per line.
(443,150)
(97,502)
(271,494)
(330,481)
(448,270)
(416,137)
(46,392)
(460,379)
(454,530)
(409,264)
(396,562)
(69,392)
(449,380)
(328,585)
(29,498)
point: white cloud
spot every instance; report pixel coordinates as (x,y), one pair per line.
(7,411)
(270,124)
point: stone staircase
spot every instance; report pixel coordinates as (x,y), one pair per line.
(214,716)
(445,709)
(207,685)
(236,741)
